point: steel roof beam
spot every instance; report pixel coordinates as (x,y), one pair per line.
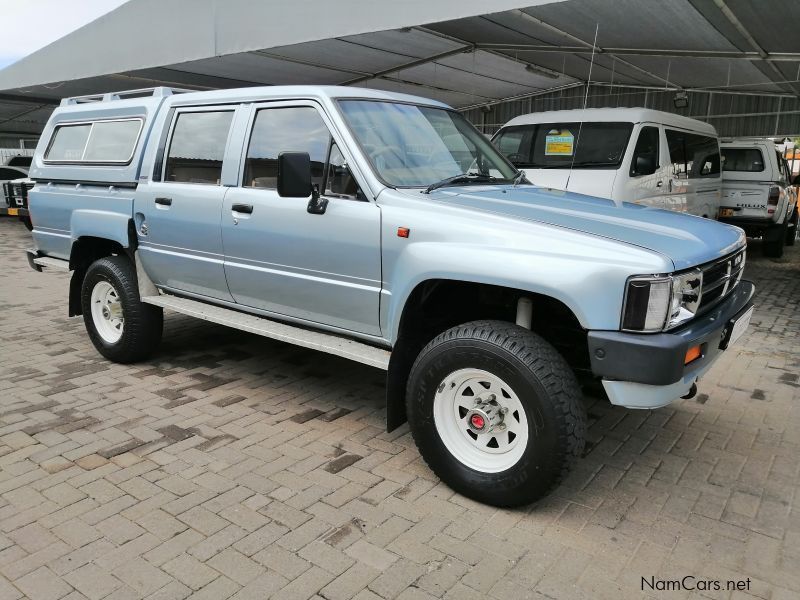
(763,54)
(585,44)
(672,53)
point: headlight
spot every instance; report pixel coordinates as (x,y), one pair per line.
(656,303)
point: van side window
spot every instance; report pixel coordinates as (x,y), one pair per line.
(198,147)
(339,180)
(290,129)
(693,155)
(645,154)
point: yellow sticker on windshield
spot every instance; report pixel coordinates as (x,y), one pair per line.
(559,143)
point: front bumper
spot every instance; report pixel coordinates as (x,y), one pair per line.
(648,370)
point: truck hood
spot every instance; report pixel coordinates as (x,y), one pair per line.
(687,240)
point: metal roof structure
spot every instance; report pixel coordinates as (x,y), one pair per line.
(448,50)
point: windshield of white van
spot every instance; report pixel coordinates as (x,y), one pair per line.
(565,145)
(421,146)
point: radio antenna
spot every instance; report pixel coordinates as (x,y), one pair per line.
(585,102)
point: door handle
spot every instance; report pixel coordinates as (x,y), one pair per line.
(659,184)
(243,208)
(164,201)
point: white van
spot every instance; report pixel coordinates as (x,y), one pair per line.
(628,154)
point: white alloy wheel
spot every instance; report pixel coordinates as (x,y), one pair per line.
(107,312)
(480,420)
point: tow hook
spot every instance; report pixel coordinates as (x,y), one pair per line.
(692,392)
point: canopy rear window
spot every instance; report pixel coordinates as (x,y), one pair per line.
(748,160)
(97,142)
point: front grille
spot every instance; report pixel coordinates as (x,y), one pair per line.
(720,277)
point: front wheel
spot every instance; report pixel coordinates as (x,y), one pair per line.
(495,412)
(120,325)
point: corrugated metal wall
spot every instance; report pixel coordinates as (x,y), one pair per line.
(731,114)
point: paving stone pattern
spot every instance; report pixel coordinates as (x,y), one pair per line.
(233,466)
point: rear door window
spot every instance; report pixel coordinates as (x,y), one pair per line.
(565,145)
(748,160)
(692,155)
(197,147)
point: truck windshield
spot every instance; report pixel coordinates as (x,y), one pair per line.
(419,146)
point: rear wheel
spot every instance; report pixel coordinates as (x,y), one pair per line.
(791,232)
(495,412)
(120,325)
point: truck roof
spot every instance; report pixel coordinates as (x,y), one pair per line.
(625,115)
(746,142)
(250,94)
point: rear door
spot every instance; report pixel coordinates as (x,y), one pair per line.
(282,259)
(177,213)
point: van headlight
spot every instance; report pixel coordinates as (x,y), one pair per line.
(659,303)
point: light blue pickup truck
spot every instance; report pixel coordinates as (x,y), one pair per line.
(385,229)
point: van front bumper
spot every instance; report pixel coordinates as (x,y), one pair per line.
(648,370)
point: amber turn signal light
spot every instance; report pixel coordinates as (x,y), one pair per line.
(692,353)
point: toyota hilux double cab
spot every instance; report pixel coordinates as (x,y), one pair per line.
(386,229)
(758,193)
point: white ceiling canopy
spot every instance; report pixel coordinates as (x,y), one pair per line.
(450,50)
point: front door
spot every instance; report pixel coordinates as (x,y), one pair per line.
(177,216)
(646,180)
(282,259)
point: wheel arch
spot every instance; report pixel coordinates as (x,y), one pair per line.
(85,250)
(434,305)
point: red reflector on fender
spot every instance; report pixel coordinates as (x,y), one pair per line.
(403,232)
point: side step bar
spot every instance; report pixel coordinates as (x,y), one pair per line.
(50,263)
(324,342)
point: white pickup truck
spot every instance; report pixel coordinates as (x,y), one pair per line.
(758,193)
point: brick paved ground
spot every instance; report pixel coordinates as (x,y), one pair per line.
(233,466)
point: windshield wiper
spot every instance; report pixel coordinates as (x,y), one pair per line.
(462,178)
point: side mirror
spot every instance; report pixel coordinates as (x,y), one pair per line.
(294,180)
(796,180)
(294,174)
(644,164)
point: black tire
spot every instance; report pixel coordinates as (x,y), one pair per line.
(143,323)
(774,240)
(544,384)
(791,232)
